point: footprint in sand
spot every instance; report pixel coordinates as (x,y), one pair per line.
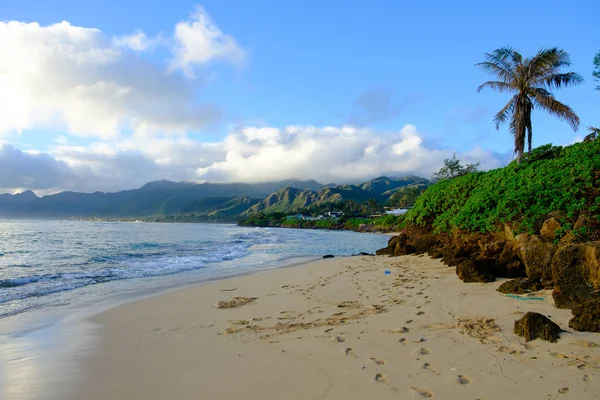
(586,378)
(377,361)
(340,339)
(349,351)
(463,380)
(429,367)
(420,313)
(422,392)
(402,340)
(423,351)
(563,390)
(381,378)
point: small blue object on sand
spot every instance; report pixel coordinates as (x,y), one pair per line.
(387,272)
(514,296)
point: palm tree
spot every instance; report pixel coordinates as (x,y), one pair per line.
(531,81)
(594,133)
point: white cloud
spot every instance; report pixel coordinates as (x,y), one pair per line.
(248,154)
(79,80)
(137,41)
(199,41)
(330,154)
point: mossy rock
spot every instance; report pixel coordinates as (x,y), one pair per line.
(537,255)
(586,316)
(537,326)
(520,286)
(475,270)
(570,296)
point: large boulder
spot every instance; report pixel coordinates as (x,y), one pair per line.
(508,263)
(586,316)
(567,267)
(536,254)
(569,296)
(475,270)
(520,286)
(389,250)
(550,228)
(537,326)
(397,246)
(577,264)
(590,254)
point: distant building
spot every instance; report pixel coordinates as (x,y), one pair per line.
(397,211)
(334,214)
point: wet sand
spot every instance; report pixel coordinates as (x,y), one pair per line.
(337,329)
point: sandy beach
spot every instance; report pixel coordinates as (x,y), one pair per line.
(337,329)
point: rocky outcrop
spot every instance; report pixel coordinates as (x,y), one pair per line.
(569,296)
(475,270)
(397,246)
(536,254)
(535,262)
(550,228)
(521,286)
(586,316)
(537,326)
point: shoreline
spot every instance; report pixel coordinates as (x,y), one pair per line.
(343,325)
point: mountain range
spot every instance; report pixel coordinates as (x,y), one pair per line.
(216,201)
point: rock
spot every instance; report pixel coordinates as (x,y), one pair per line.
(537,326)
(582,221)
(569,296)
(514,269)
(520,286)
(549,229)
(397,246)
(475,270)
(567,239)
(577,264)
(508,232)
(362,253)
(590,254)
(537,255)
(566,266)
(586,316)
(329,256)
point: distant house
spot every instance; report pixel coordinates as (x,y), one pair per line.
(334,214)
(397,211)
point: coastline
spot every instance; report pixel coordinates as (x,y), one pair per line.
(338,328)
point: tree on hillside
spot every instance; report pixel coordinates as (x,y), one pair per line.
(530,80)
(596,72)
(452,168)
(372,205)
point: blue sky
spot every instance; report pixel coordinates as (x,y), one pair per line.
(377,65)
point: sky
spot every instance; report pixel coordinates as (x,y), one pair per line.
(110,95)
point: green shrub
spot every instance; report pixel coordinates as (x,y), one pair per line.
(550,179)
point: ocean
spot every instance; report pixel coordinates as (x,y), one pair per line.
(54,274)
(70,264)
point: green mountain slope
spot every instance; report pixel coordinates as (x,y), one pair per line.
(289,199)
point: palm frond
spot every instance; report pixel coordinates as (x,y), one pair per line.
(593,135)
(499,63)
(548,62)
(548,102)
(504,114)
(556,81)
(502,87)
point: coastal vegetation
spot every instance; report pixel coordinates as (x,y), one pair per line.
(550,179)
(531,81)
(537,222)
